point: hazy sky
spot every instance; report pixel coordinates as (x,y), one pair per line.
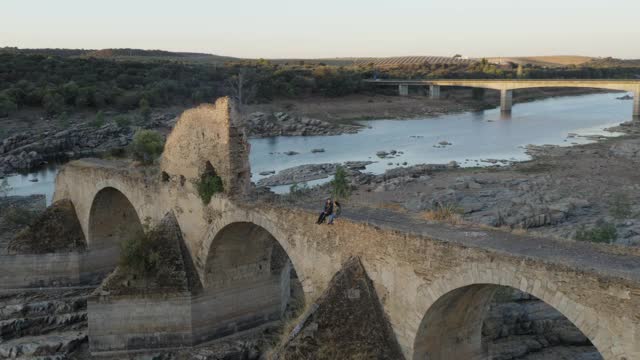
(329,28)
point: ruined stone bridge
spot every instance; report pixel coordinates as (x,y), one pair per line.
(506,87)
(434,282)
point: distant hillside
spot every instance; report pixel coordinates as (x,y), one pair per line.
(549,61)
(412,60)
(45,52)
(611,62)
(126,55)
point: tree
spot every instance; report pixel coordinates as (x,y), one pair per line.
(5,188)
(145,109)
(242,86)
(147,145)
(53,103)
(7,105)
(98,121)
(520,71)
(340,186)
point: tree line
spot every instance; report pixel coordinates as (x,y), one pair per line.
(60,84)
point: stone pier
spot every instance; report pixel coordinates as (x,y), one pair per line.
(434,91)
(506,101)
(403,90)
(636,104)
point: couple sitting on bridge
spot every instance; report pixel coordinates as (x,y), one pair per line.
(332,209)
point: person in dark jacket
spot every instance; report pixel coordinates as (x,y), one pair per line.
(328,210)
(337,210)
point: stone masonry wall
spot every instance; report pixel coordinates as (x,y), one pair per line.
(210,133)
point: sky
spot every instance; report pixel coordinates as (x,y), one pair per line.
(329,28)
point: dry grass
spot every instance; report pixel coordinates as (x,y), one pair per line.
(444,213)
(288,325)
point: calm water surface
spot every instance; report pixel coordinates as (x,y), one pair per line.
(474,137)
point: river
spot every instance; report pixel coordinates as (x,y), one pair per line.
(474,136)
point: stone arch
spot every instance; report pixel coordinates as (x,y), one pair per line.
(455,306)
(112,219)
(248,281)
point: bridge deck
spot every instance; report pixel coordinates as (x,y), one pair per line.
(607,260)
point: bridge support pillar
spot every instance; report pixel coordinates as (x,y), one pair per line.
(403,90)
(506,101)
(636,104)
(434,91)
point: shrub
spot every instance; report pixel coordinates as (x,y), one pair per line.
(298,190)
(147,145)
(209,185)
(340,186)
(620,206)
(98,120)
(63,120)
(19,217)
(122,121)
(145,109)
(138,255)
(5,188)
(602,232)
(7,105)
(444,212)
(53,103)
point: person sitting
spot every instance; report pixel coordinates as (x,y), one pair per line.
(328,210)
(337,210)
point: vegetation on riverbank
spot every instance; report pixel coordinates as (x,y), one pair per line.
(60,82)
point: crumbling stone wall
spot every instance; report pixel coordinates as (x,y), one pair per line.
(213,134)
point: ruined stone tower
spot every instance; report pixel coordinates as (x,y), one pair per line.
(209,138)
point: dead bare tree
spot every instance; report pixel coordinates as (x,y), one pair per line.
(242,87)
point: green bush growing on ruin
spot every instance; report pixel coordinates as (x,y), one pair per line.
(620,206)
(139,256)
(340,186)
(146,146)
(601,232)
(209,185)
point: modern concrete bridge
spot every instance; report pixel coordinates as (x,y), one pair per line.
(434,281)
(506,87)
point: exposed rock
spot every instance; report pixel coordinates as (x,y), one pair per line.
(627,149)
(317,150)
(28,150)
(519,326)
(304,173)
(262,124)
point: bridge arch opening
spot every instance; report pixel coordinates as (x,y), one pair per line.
(112,220)
(249,281)
(487,321)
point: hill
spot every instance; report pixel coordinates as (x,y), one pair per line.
(137,55)
(548,61)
